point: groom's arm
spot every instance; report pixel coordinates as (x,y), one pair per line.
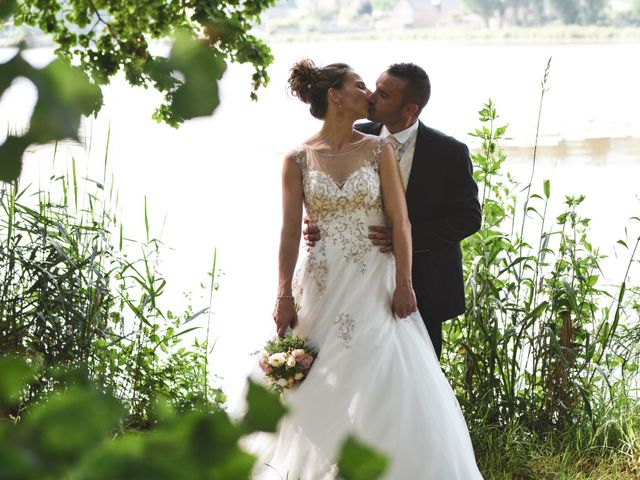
(310,232)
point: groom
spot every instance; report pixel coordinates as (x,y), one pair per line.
(441,194)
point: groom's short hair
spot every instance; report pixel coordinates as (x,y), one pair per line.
(418,86)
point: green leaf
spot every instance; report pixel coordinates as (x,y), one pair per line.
(135,456)
(547,188)
(500,131)
(238,464)
(201,68)
(14,376)
(64,95)
(61,429)
(264,409)
(196,315)
(11,152)
(357,461)
(7,7)
(203,430)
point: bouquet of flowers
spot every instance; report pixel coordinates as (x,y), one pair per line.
(286,361)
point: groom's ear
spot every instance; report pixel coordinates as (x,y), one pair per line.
(410,109)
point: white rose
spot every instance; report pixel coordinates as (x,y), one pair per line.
(298,352)
(264,356)
(291,362)
(282,382)
(277,359)
(299,376)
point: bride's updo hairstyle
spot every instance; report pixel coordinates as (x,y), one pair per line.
(311,84)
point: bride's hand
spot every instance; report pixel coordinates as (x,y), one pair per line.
(285,314)
(404,301)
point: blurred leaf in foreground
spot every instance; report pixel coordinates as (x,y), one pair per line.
(65,94)
(358,461)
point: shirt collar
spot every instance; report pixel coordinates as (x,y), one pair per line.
(402,136)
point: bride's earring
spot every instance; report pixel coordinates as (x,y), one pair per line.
(339,114)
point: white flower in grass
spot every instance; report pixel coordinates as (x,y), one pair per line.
(291,362)
(282,382)
(299,376)
(277,359)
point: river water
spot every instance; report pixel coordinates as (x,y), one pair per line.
(214,183)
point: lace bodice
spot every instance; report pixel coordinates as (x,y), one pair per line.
(328,199)
(343,209)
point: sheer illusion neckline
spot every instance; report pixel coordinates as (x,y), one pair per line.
(339,184)
(356,146)
(339,169)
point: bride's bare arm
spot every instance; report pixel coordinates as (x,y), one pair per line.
(395,206)
(284,313)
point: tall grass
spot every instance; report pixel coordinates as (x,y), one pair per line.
(544,350)
(77,293)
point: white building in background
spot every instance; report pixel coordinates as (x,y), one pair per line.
(425,13)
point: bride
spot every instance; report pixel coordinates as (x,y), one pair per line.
(376,375)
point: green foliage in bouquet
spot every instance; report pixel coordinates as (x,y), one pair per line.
(286,361)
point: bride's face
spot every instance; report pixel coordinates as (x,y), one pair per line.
(354,96)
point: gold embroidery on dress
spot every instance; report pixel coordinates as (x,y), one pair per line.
(336,209)
(336,213)
(345,326)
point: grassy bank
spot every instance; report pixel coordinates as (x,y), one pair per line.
(516,454)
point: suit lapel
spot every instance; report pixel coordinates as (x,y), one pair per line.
(420,156)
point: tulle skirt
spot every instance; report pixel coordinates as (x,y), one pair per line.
(376,377)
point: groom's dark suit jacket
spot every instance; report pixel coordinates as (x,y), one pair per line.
(442,199)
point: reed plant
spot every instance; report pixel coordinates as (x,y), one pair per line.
(545,354)
(76,293)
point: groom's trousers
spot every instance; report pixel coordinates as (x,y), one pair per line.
(434,328)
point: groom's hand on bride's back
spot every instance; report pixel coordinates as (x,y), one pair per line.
(381,237)
(310,232)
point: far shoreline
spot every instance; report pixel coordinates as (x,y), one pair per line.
(560,34)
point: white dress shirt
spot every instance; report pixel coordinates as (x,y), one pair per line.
(407,139)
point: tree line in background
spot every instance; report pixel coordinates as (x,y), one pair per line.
(338,15)
(543,12)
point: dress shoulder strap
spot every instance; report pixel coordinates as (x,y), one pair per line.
(378,145)
(299,154)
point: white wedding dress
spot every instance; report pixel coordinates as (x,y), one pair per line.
(376,376)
